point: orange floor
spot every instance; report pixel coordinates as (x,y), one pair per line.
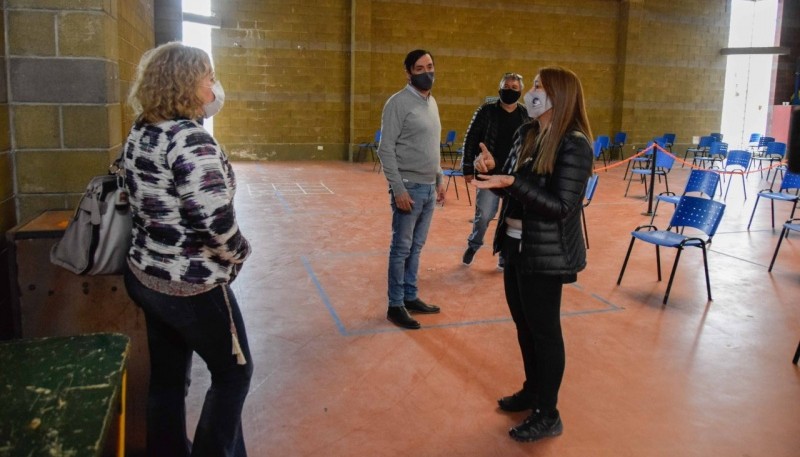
(334,378)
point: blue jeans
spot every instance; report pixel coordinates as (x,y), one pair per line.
(486,204)
(409,232)
(177,327)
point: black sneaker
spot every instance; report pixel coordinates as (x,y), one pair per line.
(469,254)
(399,317)
(537,426)
(515,403)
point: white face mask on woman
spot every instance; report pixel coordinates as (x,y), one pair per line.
(211,108)
(537,103)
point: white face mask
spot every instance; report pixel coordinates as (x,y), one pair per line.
(211,108)
(537,103)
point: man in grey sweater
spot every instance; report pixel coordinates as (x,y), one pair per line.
(410,156)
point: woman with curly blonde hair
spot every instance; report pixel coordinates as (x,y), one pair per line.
(186,250)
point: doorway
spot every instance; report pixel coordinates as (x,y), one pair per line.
(748,77)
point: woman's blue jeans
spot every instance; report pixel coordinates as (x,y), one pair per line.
(176,328)
(409,232)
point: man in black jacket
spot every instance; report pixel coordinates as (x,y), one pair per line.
(493,124)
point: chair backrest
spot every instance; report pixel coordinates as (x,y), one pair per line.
(718,148)
(377,136)
(703,214)
(764,141)
(706,141)
(704,182)
(716,135)
(669,139)
(598,148)
(451,137)
(775,148)
(790,181)
(604,141)
(664,160)
(620,138)
(754,138)
(738,159)
(591,186)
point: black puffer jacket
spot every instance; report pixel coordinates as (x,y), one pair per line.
(552,237)
(483,129)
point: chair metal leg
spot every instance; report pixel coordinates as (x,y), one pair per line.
(625,263)
(705,266)
(777,248)
(658,261)
(585,231)
(758,198)
(772,205)
(672,274)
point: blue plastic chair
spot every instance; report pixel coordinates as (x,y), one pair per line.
(703,214)
(737,163)
(716,153)
(643,161)
(447,146)
(773,153)
(619,142)
(453,173)
(791,224)
(371,146)
(664,164)
(717,136)
(591,186)
(791,181)
(752,143)
(701,149)
(601,148)
(669,140)
(703,182)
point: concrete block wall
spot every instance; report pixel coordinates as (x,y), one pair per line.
(300,74)
(135,29)
(285,69)
(63,98)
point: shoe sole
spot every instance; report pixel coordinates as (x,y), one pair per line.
(417,311)
(536,438)
(417,327)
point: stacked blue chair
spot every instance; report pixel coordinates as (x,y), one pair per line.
(703,214)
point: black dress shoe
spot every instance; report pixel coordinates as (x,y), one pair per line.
(515,403)
(399,317)
(418,306)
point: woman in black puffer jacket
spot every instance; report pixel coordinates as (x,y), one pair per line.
(539,234)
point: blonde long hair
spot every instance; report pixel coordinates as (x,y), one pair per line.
(166,83)
(569,113)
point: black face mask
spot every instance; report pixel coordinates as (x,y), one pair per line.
(423,81)
(509,96)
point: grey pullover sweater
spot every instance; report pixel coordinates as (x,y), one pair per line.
(410,139)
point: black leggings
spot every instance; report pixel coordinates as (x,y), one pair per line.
(535,304)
